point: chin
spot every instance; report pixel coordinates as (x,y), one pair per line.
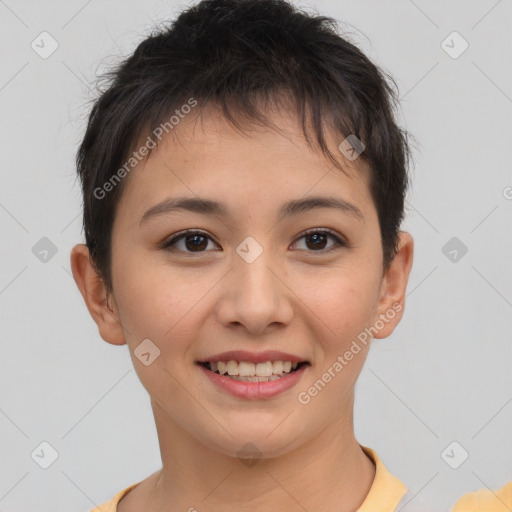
(254,443)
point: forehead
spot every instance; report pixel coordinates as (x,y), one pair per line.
(206,156)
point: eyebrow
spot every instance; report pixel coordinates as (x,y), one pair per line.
(210,207)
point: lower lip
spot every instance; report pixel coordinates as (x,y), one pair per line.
(254,390)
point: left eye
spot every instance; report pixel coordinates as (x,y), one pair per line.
(319,238)
(197,241)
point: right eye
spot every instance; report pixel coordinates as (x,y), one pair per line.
(191,241)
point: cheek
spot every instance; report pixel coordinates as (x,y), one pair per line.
(339,317)
(154,301)
(342,305)
(162,304)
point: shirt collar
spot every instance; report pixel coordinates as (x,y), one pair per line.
(386,491)
(384,496)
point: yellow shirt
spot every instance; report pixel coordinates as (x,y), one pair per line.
(486,501)
(385,494)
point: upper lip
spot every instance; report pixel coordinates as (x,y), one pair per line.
(253,357)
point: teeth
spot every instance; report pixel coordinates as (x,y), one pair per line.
(277,367)
(264,369)
(246,369)
(232,367)
(267,370)
(257,379)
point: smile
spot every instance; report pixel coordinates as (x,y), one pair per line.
(245,379)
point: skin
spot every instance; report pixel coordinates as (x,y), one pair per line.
(293,297)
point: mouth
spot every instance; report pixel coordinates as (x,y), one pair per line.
(247,371)
(253,375)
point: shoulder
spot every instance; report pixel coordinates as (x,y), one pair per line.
(486,500)
(111,505)
(386,492)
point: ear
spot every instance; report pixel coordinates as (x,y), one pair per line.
(394,283)
(93,290)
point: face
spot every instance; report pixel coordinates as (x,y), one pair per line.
(300,283)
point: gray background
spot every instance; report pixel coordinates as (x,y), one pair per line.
(444,375)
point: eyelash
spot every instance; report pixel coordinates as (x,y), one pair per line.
(167,245)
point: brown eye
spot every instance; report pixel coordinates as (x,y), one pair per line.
(197,242)
(317,240)
(189,241)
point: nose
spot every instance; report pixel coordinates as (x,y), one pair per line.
(255,295)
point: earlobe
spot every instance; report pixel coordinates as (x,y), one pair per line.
(394,285)
(93,291)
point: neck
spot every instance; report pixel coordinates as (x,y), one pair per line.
(329,473)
